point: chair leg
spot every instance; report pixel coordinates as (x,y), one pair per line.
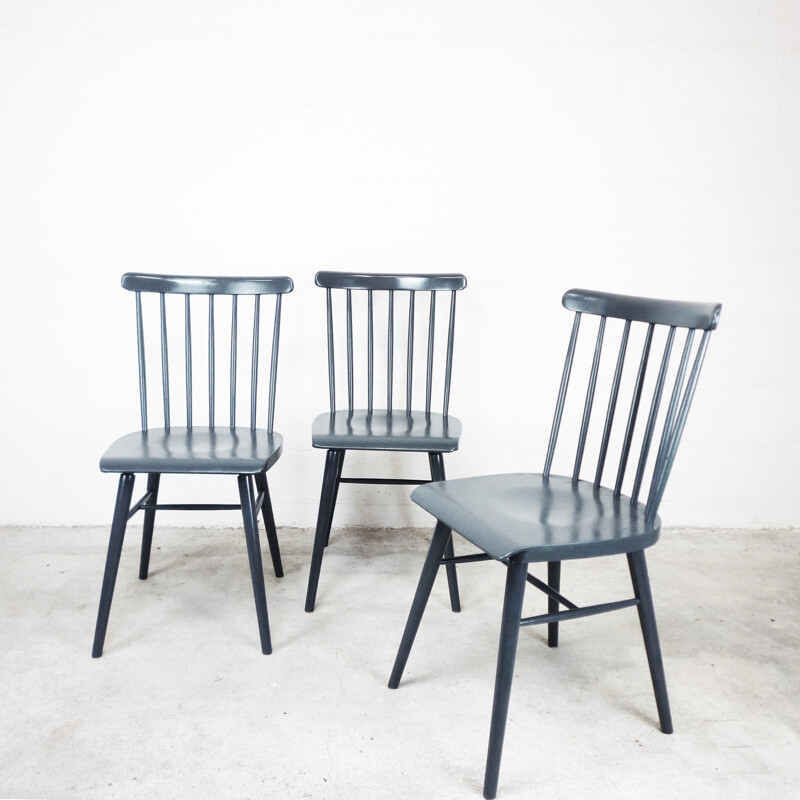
(509,636)
(153,480)
(647,618)
(324,519)
(269,524)
(335,495)
(554,582)
(247,497)
(437,474)
(118,525)
(430,570)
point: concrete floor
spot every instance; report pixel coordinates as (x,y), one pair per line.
(183,704)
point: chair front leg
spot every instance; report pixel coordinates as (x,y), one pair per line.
(647,618)
(269,524)
(509,636)
(554,582)
(430,569)
(437,474)
(247,498)
(153,480)
(327,502)
(117,537)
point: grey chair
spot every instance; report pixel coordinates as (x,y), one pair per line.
(408,421)
(220,447)
(521,519)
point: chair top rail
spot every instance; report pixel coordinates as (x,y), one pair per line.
(195,284)
(383,281)
(678,313)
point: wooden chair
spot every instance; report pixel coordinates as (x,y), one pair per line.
(220,447)
(388,302)
(521,519)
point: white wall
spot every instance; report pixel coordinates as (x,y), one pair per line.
(652,148)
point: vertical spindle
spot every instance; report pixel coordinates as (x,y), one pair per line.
(451,330)
(234,331)
(273,369)
(187,332)
(142,371)
(651,419)
(164,362)
(429,376)
(211,364)
(410,358)
(254,361)
(612,405)
(633,413)
(562,394)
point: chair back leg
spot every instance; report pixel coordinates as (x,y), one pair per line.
(117,537)
(647,618)
(269,524)
(247,498)
(327,502)
(507,655)
(153,480)
(430,569)
(437,474)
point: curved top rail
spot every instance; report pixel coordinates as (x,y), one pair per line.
(679,313)
(197,284)
(409,282)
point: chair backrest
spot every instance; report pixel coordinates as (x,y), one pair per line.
(654,323)
(205,327)
(386,310)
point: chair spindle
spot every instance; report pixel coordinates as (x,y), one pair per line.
(331,371)
(370,350)
(164,361)
(142,372)
(670,445)
(234,348)
(612,404)
(211,361)
(431,333)
(651,419)
(273,369)
(350,350)
(451,329)
(562,394)
(390,353)
(587,408)
(188,358)
(633,413)
(254,361)
(410,359)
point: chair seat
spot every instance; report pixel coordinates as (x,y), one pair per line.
(415,431)
(219,450)
(538,518)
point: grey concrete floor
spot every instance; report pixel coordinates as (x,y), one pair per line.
(183,704)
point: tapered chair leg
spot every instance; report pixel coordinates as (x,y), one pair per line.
(335,495)
(554,582)
(118,525)
(153,480)
(430,569)
(507,654)
(437,474)
(647,618)
(269,524)
(324,521)
(247,497)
